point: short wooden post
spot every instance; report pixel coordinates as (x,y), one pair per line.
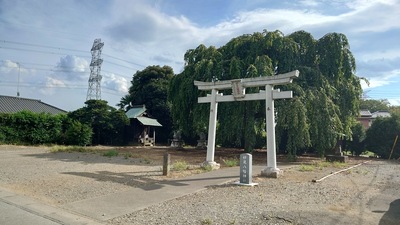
(167,160)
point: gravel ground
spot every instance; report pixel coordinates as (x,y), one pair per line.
(367,194)
(350,197)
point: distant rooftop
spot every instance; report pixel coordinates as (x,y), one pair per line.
(380,114)
(10,104)
(135,111)
(365,113)
(139,112)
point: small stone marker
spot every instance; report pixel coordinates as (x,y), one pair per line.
(167,160)
(246,170)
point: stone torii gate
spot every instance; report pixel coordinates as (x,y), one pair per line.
(238,87)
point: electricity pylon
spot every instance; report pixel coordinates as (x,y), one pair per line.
(94,90)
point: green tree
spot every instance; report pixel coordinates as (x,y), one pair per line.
(357,145)
(107,123)
(375,105)
(381,136)
(78,134)
(326,95)
(150,88)
(26,127)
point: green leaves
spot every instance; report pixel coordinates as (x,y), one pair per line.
(326,93)
(106,122)
(150,88)
(381,136)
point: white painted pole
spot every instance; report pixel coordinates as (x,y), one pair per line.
(212,127)
(271,169)
(154,136)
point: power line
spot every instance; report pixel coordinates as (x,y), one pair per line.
(64,69)
(42,46)
(43,85)
(124,60)
(54,53)
(38,51)
(58,48)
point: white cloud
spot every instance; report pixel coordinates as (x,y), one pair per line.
(116,83)
(372,16)
(142,32)
(394,101)
(139,22)
(382,79)
(310,3)
(51,86)
(72,68)
(8,65)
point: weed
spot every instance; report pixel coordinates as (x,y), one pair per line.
(127,155)
(231,162)
(180,165)
(206,221)
(146,161)
(306,168)
(207,168)
(339,164)
(111,153)
(59,148)
(322,164)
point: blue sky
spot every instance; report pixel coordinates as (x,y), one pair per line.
(46,43)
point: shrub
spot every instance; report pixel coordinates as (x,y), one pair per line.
(231,162)
(180,165)
(78,134)
(111,153)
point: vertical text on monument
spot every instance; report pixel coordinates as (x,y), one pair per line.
(246,169)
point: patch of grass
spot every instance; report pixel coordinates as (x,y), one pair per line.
(145,160)
(59,148)
(306,168)
(322,164)
(368,154)
(339,164)
(111,153)
(231,162)
(180,165)
(206,222)
(207,168)
(127,155)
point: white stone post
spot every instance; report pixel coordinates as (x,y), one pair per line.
(154,137)
(271,170)
(212,129)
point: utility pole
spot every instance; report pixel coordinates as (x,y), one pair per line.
(94,89)
(19,72)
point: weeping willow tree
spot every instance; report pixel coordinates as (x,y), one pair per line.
(326,95)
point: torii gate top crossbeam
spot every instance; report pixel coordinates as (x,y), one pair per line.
(249,82)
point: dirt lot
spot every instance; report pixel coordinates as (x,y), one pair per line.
(367,194)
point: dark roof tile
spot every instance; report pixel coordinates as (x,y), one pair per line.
(9,104)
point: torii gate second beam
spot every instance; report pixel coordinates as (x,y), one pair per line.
(239,94)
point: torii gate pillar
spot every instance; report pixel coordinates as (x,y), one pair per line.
(212,130)
(271,170)
(239,94)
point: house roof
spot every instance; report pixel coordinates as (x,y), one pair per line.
(380,114)
(10,104)
(365,113)
(148,121)
(139,112)
(135,112)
